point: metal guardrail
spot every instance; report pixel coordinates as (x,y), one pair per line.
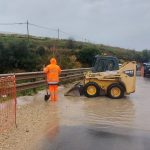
(29,80)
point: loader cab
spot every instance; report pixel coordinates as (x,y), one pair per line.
(105,63)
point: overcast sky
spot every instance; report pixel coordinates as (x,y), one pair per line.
(121,23)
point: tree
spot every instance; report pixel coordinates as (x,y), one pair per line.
(40,51)
(146,55)
(86,55)
(70,43)
(1,58)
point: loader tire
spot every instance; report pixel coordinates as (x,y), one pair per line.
(91,89)
(115,91)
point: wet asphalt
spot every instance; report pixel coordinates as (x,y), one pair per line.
(100,123)
(82,138)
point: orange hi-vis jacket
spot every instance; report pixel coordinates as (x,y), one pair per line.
(53,71)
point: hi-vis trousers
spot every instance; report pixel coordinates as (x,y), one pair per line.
(53,89)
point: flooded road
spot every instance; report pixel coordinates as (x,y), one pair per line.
(81,123)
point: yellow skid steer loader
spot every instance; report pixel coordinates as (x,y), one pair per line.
(107,78)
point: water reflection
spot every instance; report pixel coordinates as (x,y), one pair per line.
(101,123)
(53,127)
(105,112)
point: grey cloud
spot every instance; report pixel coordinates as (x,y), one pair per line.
(123,23)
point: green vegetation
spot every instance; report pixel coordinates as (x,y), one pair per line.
(17,54)
(86,55)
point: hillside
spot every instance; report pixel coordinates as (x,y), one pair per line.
(19,54)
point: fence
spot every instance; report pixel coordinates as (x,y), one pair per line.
(7,102)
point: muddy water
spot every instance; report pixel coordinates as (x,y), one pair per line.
(131,111)
(83,123)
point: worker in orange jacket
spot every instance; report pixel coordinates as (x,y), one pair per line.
(53,71)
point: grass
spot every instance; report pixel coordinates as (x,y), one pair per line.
(30,92)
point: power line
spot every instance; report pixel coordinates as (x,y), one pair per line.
(28,30)
(43,27)
(20,23)
(56,30)
(58,33)
(70,34)
(65,32)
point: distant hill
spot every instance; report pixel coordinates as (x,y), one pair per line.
(19,53)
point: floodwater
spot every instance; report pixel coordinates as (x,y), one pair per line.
(100,123)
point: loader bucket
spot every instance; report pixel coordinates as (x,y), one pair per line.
(75,90)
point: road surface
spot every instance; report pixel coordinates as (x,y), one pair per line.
(80,123)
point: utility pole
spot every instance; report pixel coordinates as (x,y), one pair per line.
(28,30)
(58,33)
(54,50)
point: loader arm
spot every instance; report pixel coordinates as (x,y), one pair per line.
(128,76)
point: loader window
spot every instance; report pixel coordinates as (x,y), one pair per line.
(101,66)
(110,65)
(105,63)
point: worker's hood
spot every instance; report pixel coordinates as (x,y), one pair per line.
(53,61)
